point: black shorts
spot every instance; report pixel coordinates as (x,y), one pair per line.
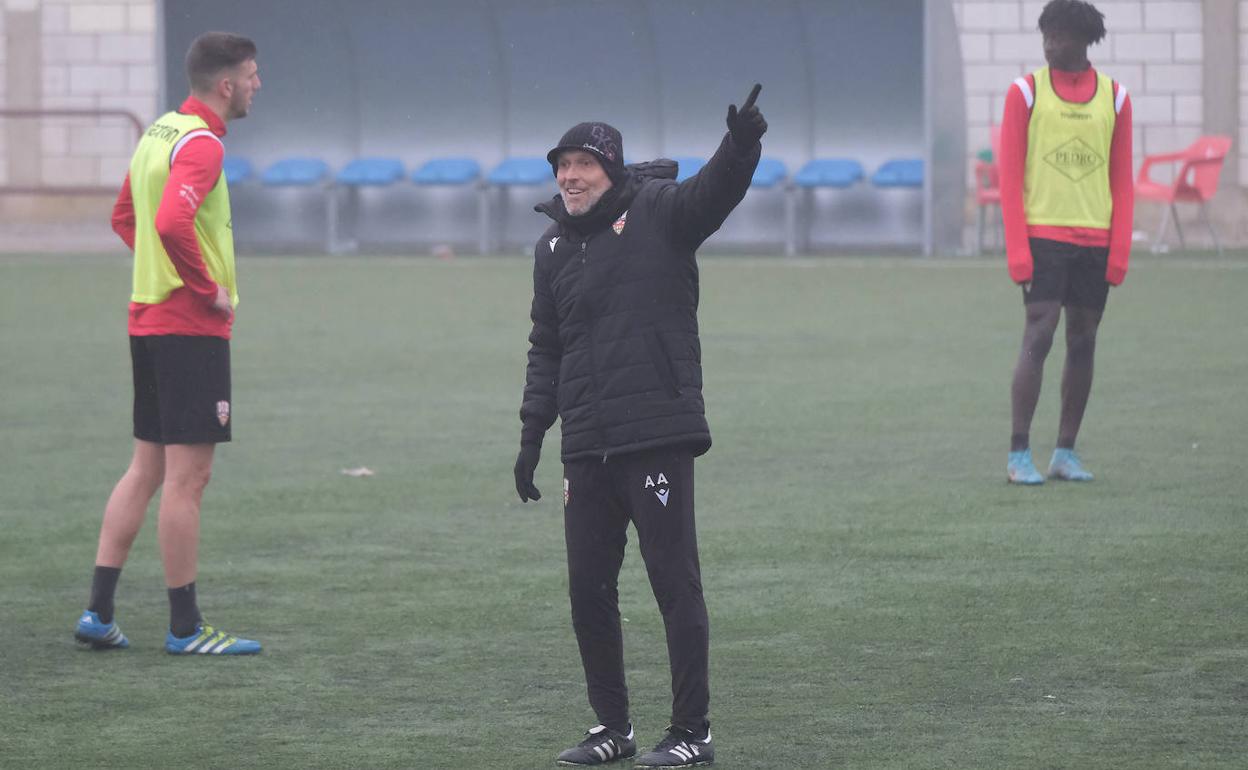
(1069,274)
(181,389)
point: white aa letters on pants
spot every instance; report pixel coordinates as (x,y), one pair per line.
(660,487)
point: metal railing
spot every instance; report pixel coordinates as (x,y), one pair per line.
(67,189)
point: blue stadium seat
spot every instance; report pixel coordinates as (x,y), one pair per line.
(512,172)
(521,171)
(840,173)
(306,173)
(899,172)
(447,171)
(458,172)
(687,166)
(362,172)
(829,172)
(236,169)
(769,173)
(295,172)
(371,172)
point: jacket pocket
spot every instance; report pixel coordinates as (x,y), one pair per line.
(662,363)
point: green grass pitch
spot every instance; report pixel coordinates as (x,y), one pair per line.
(879,596)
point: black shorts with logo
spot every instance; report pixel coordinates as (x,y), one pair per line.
(181,389)
(1069,274)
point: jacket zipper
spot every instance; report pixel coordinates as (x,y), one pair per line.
(593,363)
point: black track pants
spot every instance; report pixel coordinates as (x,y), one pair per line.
(654,490)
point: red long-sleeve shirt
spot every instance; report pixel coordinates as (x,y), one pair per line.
(194,170)
(1071,87)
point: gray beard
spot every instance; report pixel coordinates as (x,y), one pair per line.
(588,207)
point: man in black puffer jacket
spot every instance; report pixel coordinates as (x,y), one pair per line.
(614,353)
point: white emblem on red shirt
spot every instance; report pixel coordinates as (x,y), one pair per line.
(192,198)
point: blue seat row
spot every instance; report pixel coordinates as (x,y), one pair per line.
(840,173)
(529,171)
(361,172)
(846,172)
(771,173)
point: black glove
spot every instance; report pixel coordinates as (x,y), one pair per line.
(526,463)
(746,125)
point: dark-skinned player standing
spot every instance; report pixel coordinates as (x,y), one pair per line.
(1067,200)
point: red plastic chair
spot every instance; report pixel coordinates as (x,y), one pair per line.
(988,193)
(1196,181)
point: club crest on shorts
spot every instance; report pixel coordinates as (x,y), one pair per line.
(660,486)
(566,495)
(618,225)
(223,412)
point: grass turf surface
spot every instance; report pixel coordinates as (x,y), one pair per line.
(879,597)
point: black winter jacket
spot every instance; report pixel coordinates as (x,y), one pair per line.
(614,350)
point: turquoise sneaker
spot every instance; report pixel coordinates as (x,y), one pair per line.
(209,641)
(1019,469)
(99,636)
(1065,465)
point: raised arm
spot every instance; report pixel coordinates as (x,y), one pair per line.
(697,207)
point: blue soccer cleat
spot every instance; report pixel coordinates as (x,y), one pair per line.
(1019,469)
(209,641)
(1065,465)
(99,636)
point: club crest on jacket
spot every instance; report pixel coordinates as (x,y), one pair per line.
(223,412)
(618,225)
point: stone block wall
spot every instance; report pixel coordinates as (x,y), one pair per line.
(75,54)
(1154,48)
(106,54)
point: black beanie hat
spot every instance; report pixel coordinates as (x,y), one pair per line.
(600,140)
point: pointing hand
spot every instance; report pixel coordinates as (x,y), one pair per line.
(746,125)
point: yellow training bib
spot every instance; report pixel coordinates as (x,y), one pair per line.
(154,275)
(1066,183)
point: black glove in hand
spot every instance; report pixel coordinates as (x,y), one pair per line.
(746,125)
(526,464)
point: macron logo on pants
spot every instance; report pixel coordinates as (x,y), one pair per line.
(661,487)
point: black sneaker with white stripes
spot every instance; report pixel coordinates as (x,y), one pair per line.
(601,745)
(680,748)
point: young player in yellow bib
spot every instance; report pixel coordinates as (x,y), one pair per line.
(1067,199)
(174,213)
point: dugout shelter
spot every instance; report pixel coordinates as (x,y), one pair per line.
(492,80)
